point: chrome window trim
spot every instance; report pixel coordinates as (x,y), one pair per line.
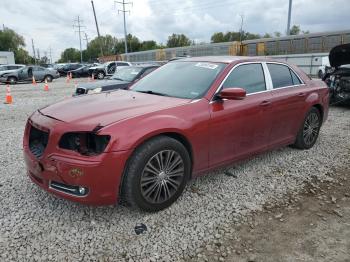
(281,63)
(233,68)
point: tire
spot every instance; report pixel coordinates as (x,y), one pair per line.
(12,80)
(308,133)
(48,78)
(100,75)
(320,74)
(147,186)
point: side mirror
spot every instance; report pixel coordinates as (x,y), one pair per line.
(233,93)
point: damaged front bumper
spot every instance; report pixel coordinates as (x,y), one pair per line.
(86,179)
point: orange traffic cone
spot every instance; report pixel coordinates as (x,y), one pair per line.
(33,81)
(46,86)
(8,95)
(67,79)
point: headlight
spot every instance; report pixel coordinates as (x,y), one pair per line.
(94,91)
(86,143)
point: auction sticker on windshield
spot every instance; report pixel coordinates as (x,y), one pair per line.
(207,65)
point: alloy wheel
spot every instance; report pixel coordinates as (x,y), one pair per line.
(162,176)
(311,128)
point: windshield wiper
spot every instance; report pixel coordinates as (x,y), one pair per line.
(152,92)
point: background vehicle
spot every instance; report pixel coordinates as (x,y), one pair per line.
(26,74)
(338,77)
(324,67)
(107,69)
(122,79)
(5,69)
(47,65)
(81,71)
(189,116)
(68,67)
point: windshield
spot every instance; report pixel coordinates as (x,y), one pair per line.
(126,74)
(181,79)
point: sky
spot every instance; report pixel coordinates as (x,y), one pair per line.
(50,22)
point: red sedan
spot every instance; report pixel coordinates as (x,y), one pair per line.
(189,116)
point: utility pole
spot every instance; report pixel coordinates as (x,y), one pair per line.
(38,52)
(124,11)
(50,52)
(77,24)
(98,31)
(241,29)
(33,51)
(86,38)
(289,17)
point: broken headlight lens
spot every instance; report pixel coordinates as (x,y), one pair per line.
(86,143)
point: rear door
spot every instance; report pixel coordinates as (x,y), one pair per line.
(289,93)
(39,72)
(241,127)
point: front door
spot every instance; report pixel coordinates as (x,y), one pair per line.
(241,127)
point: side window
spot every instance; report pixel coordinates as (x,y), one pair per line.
(3,68)
(296,80)
(122,64)
(249,77)
(147,71)
(280,75)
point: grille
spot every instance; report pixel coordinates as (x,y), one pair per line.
(80,91)
(37,141)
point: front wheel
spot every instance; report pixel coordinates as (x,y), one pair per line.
(310,129)
(156,174)
(48,78)
(12,80)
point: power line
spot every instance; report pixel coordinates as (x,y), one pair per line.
(77,24)
(124,11)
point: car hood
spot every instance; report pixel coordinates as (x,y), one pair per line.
(339,55)
(104,83)
(106,108)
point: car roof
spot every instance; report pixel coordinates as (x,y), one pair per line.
(226,59)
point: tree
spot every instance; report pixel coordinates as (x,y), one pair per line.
(22,57)
(277,34)
(267,35)
(295,30)
(218,37)
(11,41)
(148,45)
(177,40)
(70,55)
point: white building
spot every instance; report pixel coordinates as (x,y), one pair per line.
(7,57)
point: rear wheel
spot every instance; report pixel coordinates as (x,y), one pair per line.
(100,75)
(12,80)
(309,131)
(156,174)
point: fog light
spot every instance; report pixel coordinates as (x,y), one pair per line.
(82,190)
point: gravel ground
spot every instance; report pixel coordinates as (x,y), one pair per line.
(37,226)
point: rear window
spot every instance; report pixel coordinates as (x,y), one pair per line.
(280,75)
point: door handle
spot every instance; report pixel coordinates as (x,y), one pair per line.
(301,94)
(265,103)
